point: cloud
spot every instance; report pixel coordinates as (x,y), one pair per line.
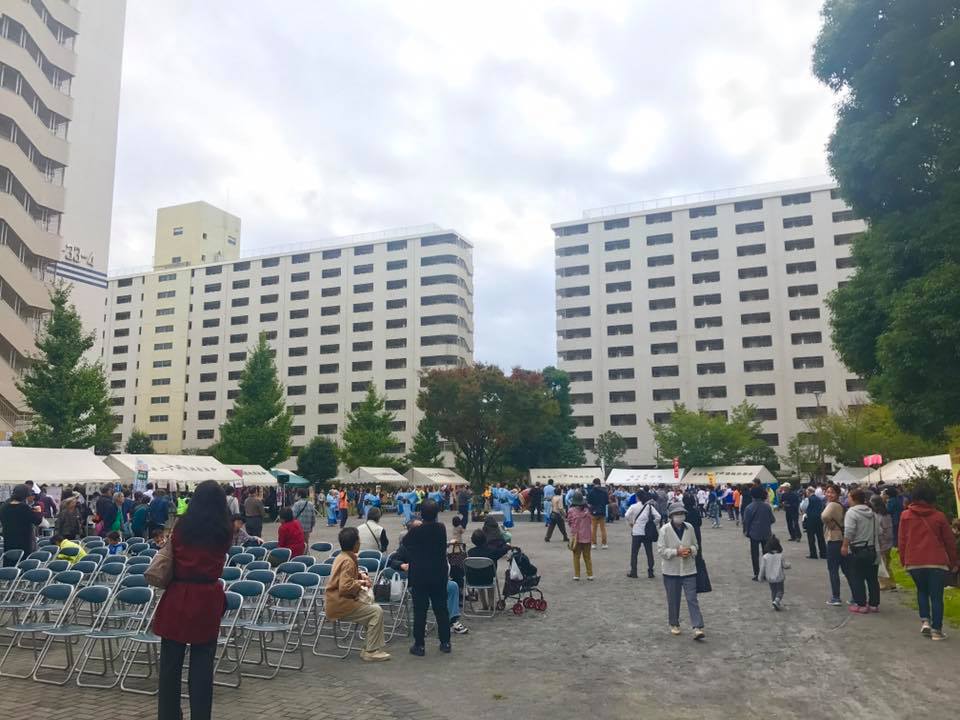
(495,118)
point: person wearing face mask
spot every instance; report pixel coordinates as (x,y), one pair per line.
(677,548)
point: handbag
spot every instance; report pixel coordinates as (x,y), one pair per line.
(381,591)
(457,555)
(572,544)
(397,588)
(365,596)
(160,572)
(703,577)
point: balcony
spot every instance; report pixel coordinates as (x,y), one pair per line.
(58,53)
(23,282)
(34,182)
(17,57)
(46,140)
(40,241)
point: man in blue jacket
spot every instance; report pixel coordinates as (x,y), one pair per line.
(758,523)
(598,500)
(813,522)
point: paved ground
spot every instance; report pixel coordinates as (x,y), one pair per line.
(603,648)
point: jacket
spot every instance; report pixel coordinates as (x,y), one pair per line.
(772,566)
(19,520)
(925,538)
(343,587)
(305,514)
(639,515)
(832,518)
(67,544)
(290,535)
(860,527)
(597,499)
(107,510)
(578,524)
(427,546)
(372,536)
(758,520)
(790,501)
(667,545)
(67,523)
(193,603)
(886,532)
(814,509)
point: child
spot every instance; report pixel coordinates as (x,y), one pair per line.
(456,535)
(158,538)
(64,544)
(114,546)
(772,567)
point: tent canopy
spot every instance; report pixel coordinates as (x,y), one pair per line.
(374,476)
(565,476)
(628,477)
(55,466)
(420,477)
(729,474)
(172,471)
(250,475)
(293,480)
(898,472)
(847,475)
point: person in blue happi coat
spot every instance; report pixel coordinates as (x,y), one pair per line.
(333,500)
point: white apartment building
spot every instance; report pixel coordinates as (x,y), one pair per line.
(59,100)
(378,309)
(708,300)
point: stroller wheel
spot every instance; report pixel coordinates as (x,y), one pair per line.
(529,603)
(518,608)
(501,605)
(542,605)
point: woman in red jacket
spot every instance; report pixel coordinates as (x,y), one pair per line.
(191,607)
(927,550)
(290,533)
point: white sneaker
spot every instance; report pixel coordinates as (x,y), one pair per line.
(375,656)
(576,577)
(698,634)
(594,547)
(589,577)
(674,629)
(604,547)
(459,628)
(925,628)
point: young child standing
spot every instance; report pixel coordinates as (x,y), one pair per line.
(456,535)
(772,569)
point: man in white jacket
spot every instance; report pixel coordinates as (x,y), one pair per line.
(677,548)
(638,517)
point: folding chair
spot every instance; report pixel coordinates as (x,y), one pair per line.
(259,552)
(279,555)
(266,577)
(227,639)
(42,555)
(134,548)
(241,559)
(138,560)
(149,552)
(28,565)
(321,548)
(371,565)
(44,612)
(11,557)
(278,616)
(98,550)
(309,610)
(88,568)
(110,574)
(83,615)
(473,584)
(69,553)
(270,545)
(135,540)
(132,580)
(257,565)
(285,570)
(125,619)
(307,560)
(234,550)
(8,579)
(397,611)
(23,591)
(58,566)
(230,575)
(92,541)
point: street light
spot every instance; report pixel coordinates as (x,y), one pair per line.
(820,473)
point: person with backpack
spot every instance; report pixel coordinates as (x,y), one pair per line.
(644,522)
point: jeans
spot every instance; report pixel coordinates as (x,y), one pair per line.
(535,512)
(776,591)
(464,517)
(863,572)
(453,600)
(556,521)
(793,523)
(930,583)
(598,522)
(200,680)
(433,596)
(637,541)
(582,550)
(756,550)
(676,585)
(836,564)
(730,511)
(343,514)
(815,538)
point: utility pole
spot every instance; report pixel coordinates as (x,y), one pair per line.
(820,473)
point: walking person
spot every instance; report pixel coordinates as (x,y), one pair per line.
(693,515)
(597,499)
(832,524)
(790,502)
(928,550)
(192,604)
(814,523)
(772,569)
(713,508)
(644,522)
(254,512)
(428,575)
(556,518)
(305,513)
(879,507)
(579,521)
(677,548)
(758,523)
(861,540)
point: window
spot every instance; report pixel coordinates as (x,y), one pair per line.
(329,349)
(795,199)
(573,250)
(706,277)
(709,345)
(211,322)
(711,299)
(662,239)
(269,299)
(296,390)
(328,388)
(167,277)
(845,262)
(799,221)
(705,211)
(120,350)
(241,266)
(122,315)
(581,398)
(395,363)
(616,224)
(799,244)
(802,290)
(123,299)
(716,368)
(160,400)
(809,338)
(655,218)
(300,295)
(662,418)
(805,314)
(297,332)
(330,310)
(618,266)
(663,326)
(396,284)
(703,233)
(396,264)
(116,384)
(395,343)
(300,277)
(395,384)
(661,394)
(268,317)
(758,341)
(363,250)
(702,255)
(659,260)
(208,377)
(801,267)
(579,291)
(620,351)
(616,245)
(361,288)
(856,385)
(807,387)
(330,292)
(363,307)
(583,354)
(270,280)
(748,228)
(396,323)
(363,269)
(812,362)
(759,271)
(745,205)
(659,371)
(394,245)
(846,238)
(619,396)
(238,338)
(210,340)
(613,374)
(212,305)
(661,282)
(574,270)
(757,365)
(212,287)
(331,254)
(125,282)
(620,420)
(163,329)
(330,272)
(163,346)
(362,326)
(296,370)
(759,318)
(713,321)
(362,366)
(663,304)
(712,392)
(118,367)
(760,390)
(616,330)
(810,412)
(360,386)
(329,329)
(363,346)
(844,216)
(121,332)
(615,287)
(234,375)
(162,363)
(663,349)
(240,302)
(575,312)
(396,303)
(754,295)
(235,356)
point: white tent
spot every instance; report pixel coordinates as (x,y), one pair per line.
(250,475)
(898,472)
(172,471)
(729,475)
(419,477)
(55,466)
(628,477)
(847,475)
(374,476)
(565,476)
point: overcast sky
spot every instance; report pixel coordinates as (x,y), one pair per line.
(318,119)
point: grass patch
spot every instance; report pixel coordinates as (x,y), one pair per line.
(908,591)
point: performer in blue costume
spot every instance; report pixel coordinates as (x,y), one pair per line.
(548,492)
(332,501)
(506,506)
(407,499)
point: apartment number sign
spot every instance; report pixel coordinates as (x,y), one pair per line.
(74,254)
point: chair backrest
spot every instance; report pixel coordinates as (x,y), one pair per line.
(12,557)
(234,550)
(371,565)
(149,552)
(248,588)
(258,552)
(99,550)
(270,545)
(58,566)
(257,565)
(8,581)
(234,600)
(133,580)
(282,604)
(291,567)
(280,555)
(87,607)
(241,559)
(135,604)
(308,560)
(94,594)
(138,560)
(138,569)
(135,548)
(115,560)
(231,574)
(267,577)
(472,566)
(135,596)
(68,577)
(321,569)
(305,579)
(42,555)
(55,594)
(335,553)
(321,547)
(111,572)
(85,566)
(69,552)
(28,565)
(92,540)
(136,541)
(376,554)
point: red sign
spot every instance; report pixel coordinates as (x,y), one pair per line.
(676,468)
(873,460)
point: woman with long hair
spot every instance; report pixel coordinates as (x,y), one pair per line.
(193,603)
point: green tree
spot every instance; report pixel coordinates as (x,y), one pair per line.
(701,439)
(800,458)
(317,460)
(895,152)
(139,443)
(610,447)
(258,432)
(558,445)
(67,394)
(426,450)
(368,435)
(853,432)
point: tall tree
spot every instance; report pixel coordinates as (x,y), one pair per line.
(610,448)
(556,446)
(317,460)
(258,432)
(139,443)
(426,450)
(800,458)
(67,394)
(895,152)
(368,435)
(853,432)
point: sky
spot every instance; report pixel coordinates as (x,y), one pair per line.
(312,120)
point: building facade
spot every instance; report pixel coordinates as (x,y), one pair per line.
(59,101)
(707,301)
(371,309)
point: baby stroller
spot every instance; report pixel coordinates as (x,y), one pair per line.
(523,590)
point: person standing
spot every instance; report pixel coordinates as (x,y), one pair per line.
(19,522)
(713,508)
(597,500)
(158,512)
(106,510)
(677,548)
(861,540)
(556,518)
(535,501)
(343,508)
(305,513)
(814,521)
(464,496)
(579,519)
(879,507)
(192,604)
(644,521)
(790,502)
(895,509)
(928,550)
(428,575)
(831,521)
(233,505)
(758,520)
(67,524)
(254,512)
(689,500)
(772,569)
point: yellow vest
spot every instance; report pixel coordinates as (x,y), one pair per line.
(70,544)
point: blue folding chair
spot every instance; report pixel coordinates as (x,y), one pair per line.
(82,617)
(126,619)
(274,628)
(43,614)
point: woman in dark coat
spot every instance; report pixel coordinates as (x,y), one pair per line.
(192,605)
(19,522)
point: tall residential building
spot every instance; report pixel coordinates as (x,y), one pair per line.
(378,309)
(59,101)
(706,300)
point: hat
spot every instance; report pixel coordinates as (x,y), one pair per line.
(577,498)
(676,509)
(785,486)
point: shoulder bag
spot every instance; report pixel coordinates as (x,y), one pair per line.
(703,577)
(457,555)
(160,572)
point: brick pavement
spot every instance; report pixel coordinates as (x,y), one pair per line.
(603,648)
